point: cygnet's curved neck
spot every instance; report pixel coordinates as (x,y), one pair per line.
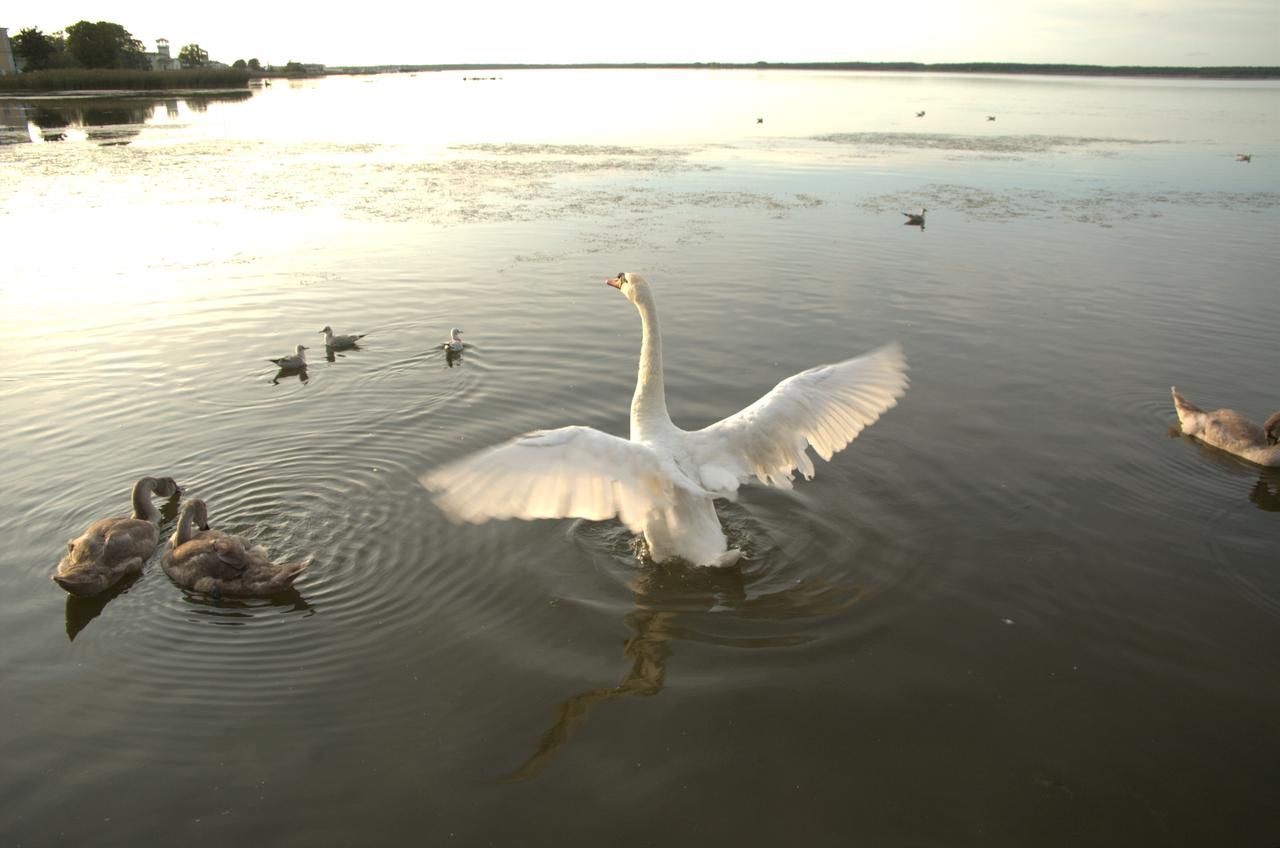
(142,506)
(194,514)
(649,403)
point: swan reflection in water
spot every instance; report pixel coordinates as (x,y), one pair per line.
(673,601)
(1265,491)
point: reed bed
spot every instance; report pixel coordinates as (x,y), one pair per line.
(76,79)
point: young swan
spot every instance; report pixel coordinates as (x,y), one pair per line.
(216,563)
(111,548)
(1231,431)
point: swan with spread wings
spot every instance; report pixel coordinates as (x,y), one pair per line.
(663,481)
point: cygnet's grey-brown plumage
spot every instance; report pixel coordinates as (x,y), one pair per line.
(1230,431)
(112,548)
(202,559)
(337,342)
(298,360)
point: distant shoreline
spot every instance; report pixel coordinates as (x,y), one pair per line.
(1243,72)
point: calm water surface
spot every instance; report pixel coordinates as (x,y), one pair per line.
(1019,610)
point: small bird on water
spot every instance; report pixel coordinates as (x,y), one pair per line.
(340,342)
(1244,157)
(920,114)
(298,360)
(915,219)
(455,342)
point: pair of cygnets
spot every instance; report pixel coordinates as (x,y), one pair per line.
(196,557)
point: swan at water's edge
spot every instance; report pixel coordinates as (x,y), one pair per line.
(201,559)
(111,548)
(662,482)
(1231,431)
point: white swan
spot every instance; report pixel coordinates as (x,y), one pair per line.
(663,481)
(339,342)
(455,342)
(298,360)
(1230,431)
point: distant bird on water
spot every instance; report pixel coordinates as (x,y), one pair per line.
(298,360)
(454,343)
(991,117)
(915,219)
(920,114)
(340,342)
(1244,157)
(759,120)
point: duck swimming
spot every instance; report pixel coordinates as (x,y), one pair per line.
(111,548)
(662,482)
(340,342)
(1230,431)
(201,559)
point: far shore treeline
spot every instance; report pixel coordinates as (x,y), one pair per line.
(105,55)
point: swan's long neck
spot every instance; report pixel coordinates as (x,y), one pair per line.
(142,506)
(193,514)
(649,403)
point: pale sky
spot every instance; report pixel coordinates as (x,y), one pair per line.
(373,32)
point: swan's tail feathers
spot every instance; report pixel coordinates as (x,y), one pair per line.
(290,572)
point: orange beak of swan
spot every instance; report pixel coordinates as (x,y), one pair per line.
(616,282)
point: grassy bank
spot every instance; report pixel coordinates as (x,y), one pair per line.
(116,80)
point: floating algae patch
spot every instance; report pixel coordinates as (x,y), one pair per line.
(1101,207)
(1002,145)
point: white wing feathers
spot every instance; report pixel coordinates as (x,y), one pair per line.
(825,407)
(572,472)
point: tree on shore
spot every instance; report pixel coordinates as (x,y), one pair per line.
(34,48)
(191,56)
(104,45)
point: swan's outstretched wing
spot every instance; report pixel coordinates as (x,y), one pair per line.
(825,407)
(572,472)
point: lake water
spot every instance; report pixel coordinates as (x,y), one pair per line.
(1018,610)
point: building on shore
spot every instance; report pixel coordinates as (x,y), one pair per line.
(161,60)
(7,65)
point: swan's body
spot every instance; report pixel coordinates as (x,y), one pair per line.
(334,342)
(455,341)
(1230,431)
(210,561)
(662,482)
(916,218)
(297,361)
(111,548)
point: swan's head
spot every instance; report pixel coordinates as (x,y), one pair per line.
(1272,429)
(629,284)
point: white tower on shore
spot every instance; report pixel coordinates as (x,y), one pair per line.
(7,65)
